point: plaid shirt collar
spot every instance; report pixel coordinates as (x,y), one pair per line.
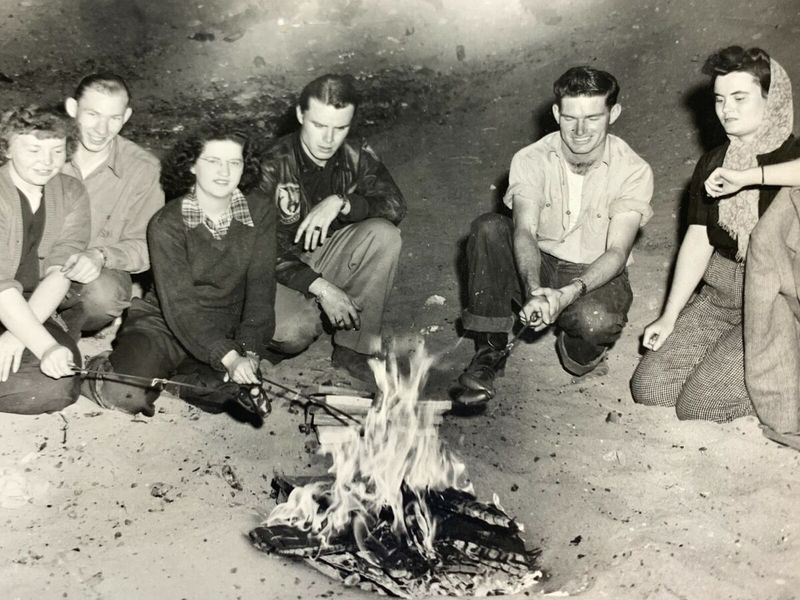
(193,214)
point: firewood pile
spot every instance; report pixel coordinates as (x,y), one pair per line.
(396,514)
(477,549)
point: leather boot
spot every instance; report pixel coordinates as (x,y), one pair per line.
(486,364)
(355,363)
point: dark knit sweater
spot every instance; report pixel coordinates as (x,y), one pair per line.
(216,295)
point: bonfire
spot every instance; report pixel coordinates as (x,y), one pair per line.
(397,513)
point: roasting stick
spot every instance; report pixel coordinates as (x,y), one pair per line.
(138,380)
(160,382)
(337,413)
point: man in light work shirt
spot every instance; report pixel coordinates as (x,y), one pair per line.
(124,192)
(578,198)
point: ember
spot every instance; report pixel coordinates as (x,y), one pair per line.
(398,514)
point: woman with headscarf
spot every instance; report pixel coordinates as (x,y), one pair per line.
(695,356)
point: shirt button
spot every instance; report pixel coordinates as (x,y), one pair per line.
(562,241)
(547,204)
(599,216)
(569,212)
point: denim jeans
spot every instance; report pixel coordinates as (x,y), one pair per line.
(587,327)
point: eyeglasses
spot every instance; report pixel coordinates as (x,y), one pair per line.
(236,163)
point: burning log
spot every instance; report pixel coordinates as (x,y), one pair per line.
(477,551)
(398,515)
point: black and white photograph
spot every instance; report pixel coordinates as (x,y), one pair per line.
(414,298)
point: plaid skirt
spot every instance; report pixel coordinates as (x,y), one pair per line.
(700,368)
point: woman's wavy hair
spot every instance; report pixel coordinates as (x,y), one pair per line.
(176,177)
(735,58)
(43,123)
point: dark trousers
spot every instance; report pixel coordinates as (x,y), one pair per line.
(92,306)
(145,346)
(587,328)
(31,392)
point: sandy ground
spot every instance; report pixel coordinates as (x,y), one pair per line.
(664,509)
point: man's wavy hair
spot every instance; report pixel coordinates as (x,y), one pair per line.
(177,179)
(587,81)
(105,82)
(338,91)
(735,58)
(43,123)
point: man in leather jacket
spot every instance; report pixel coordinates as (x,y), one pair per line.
(338,242)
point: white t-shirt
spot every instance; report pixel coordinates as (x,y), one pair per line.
(572,242)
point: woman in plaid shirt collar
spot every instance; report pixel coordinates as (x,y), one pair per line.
(213,258)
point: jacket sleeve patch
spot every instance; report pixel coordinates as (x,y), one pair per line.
(287,199)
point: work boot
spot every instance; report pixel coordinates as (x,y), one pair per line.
(353,362)
(486,364)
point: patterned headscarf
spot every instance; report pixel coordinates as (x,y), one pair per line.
(738,214)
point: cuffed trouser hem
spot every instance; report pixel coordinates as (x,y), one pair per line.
(483,324)
(572,366)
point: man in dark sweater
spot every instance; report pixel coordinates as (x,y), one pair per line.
(338,242)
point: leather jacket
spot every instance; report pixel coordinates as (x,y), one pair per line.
(358,175)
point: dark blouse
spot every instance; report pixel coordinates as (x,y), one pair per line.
(32,229)
(704,210)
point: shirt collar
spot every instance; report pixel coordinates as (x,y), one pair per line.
(557,148)
(193,214)
(113,161)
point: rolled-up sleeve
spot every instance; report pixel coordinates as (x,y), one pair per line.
(635,195)
(524,180)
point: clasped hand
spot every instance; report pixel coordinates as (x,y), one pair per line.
(314,228)
(83,267)
(543,307)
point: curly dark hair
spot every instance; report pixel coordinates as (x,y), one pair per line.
(44,123)
(735,58)
(176,177)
